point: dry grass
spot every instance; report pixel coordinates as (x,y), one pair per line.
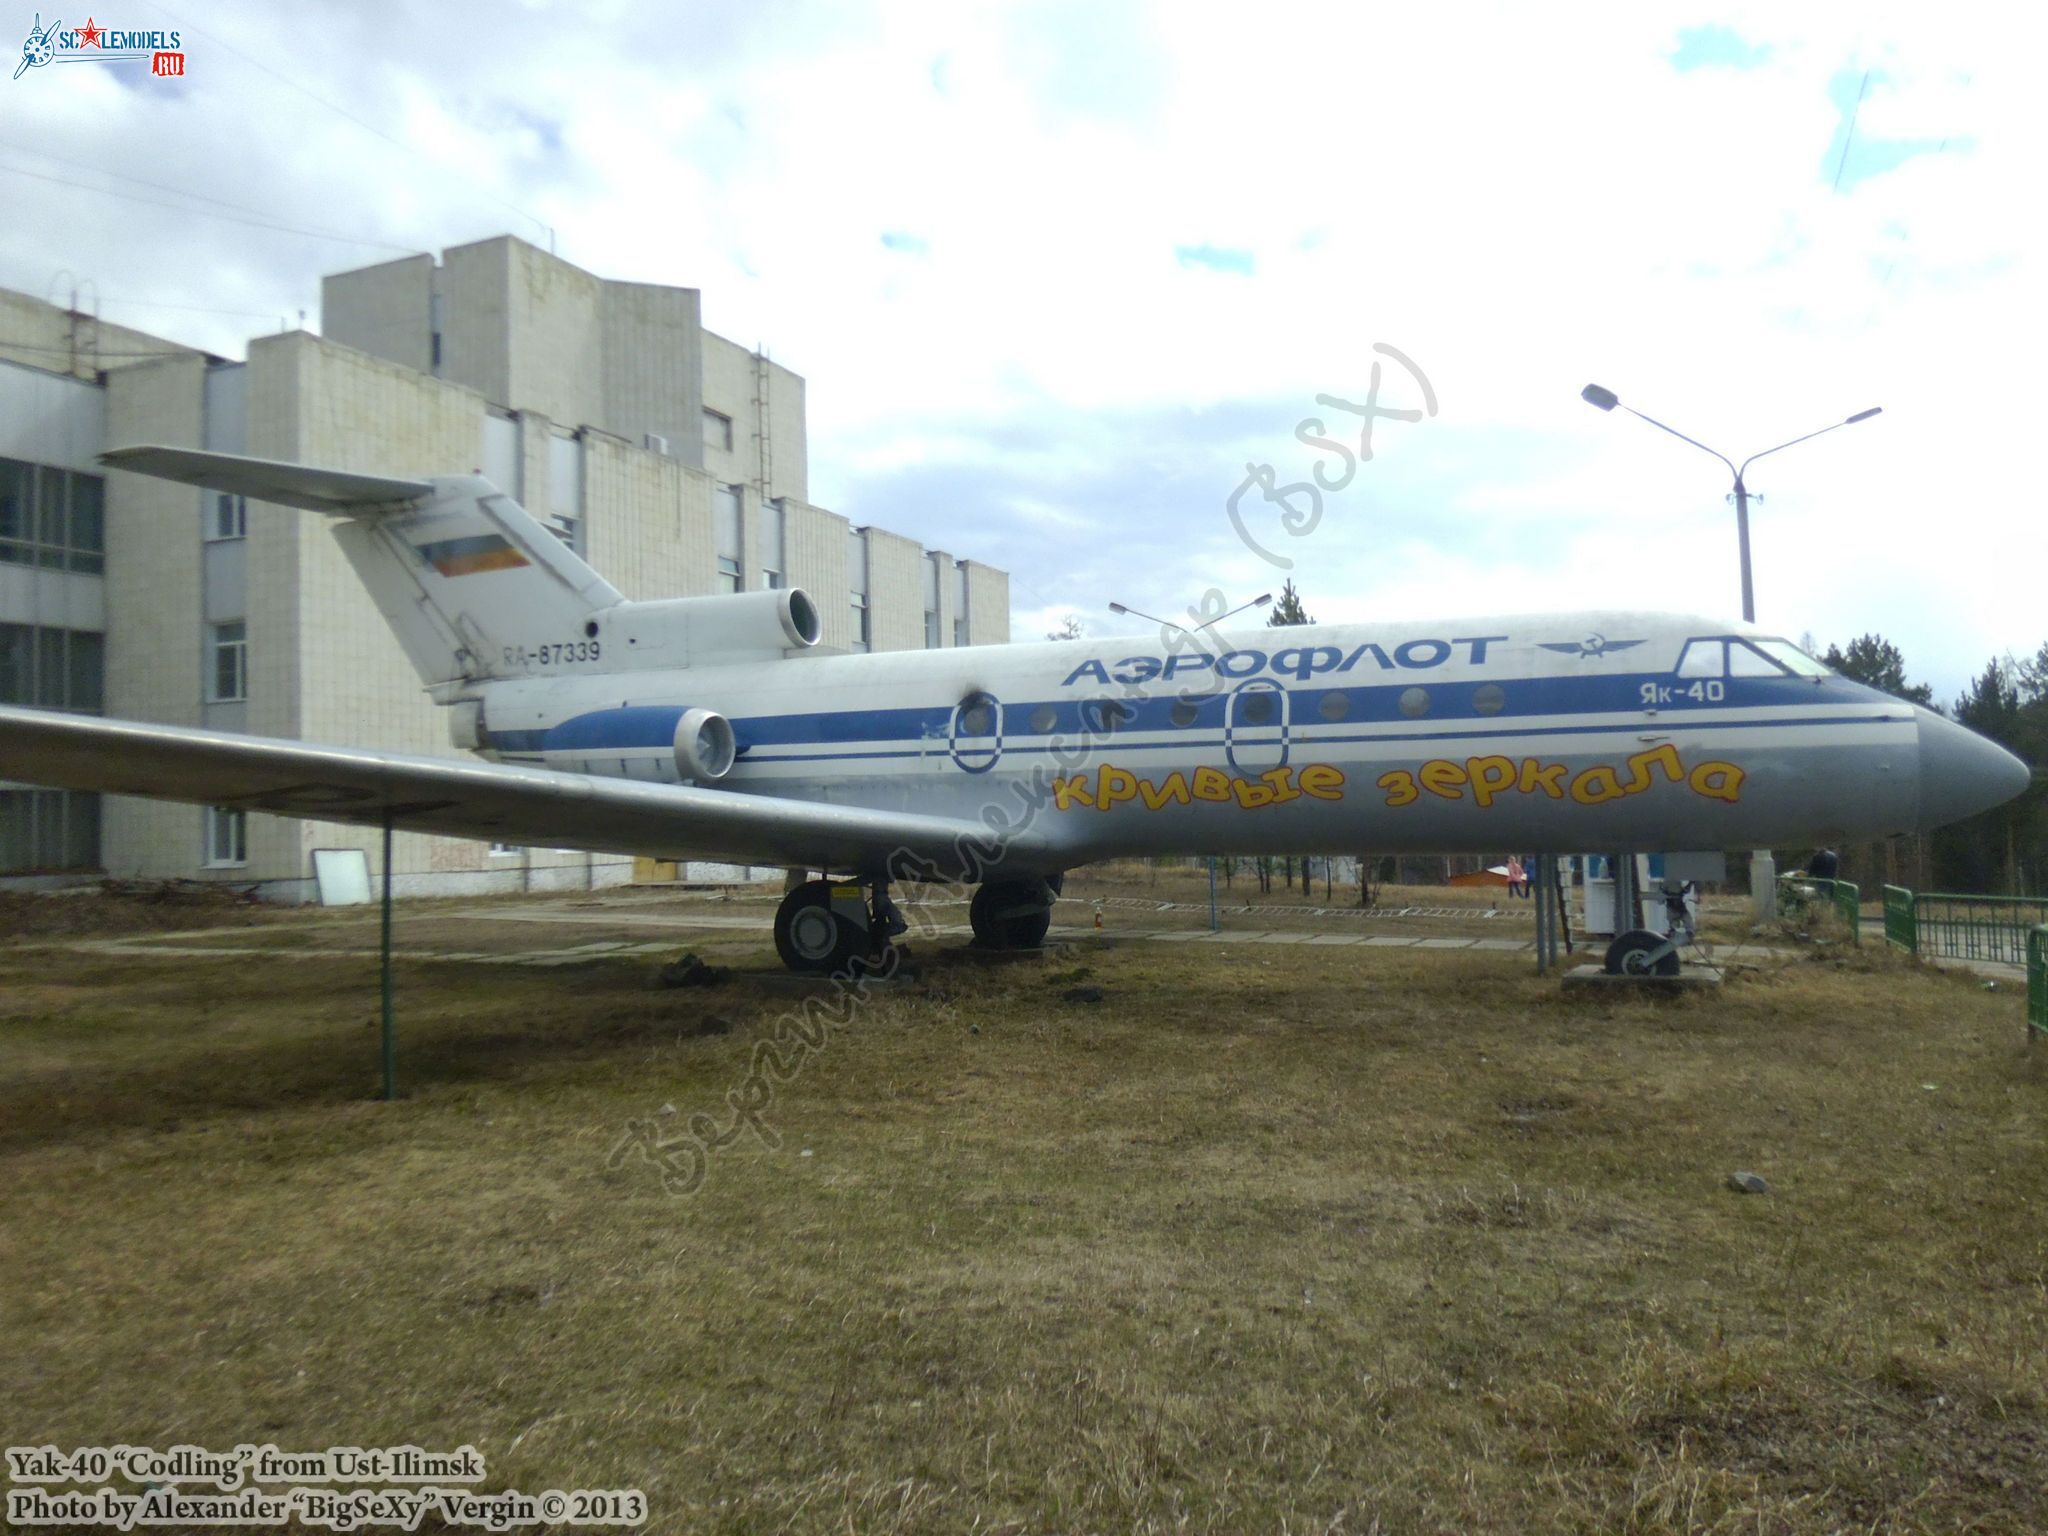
(1303,1239)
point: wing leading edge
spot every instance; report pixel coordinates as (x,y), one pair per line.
(486,801)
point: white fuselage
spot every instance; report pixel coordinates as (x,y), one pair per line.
(1500,734)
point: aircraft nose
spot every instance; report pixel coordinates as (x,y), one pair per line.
(1962,773)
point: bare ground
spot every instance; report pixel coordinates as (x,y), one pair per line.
(1291,1238)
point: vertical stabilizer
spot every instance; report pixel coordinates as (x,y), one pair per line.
(473,587)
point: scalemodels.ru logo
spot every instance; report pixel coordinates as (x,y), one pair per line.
(95,44)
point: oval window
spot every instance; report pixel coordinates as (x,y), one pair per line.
(1489,698)
(976,719)
(1257,707)
(1043,719)
(1335,705)
(1184,713)
(1415,702)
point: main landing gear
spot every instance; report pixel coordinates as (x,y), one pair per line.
(1013,913)
(825,927)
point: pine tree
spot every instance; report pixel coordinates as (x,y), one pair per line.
(1875,660)
(1288,609)
(1991,706)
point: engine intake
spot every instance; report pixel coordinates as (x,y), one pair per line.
(704,746)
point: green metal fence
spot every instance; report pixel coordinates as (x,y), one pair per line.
(2037,983)
(1899,927)
(1976,927)
(1845,896)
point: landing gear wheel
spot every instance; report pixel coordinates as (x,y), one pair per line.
(813,938)
(1630,955)
(1011,914)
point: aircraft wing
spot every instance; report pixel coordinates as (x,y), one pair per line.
(462,797)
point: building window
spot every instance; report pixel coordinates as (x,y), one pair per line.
(960,603)
(774,540)
(565,490)
(230,517)
(728,574)
(857,585)
(52,518)
(717,430)
(934,635)
(48,831)
(52,668)
(227,837)
(228,676)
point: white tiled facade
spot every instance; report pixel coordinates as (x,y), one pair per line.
(604,401)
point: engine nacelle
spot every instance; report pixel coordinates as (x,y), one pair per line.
(704,746)
(698,631)
(466,725)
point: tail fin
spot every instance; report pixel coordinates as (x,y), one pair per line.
(470,584)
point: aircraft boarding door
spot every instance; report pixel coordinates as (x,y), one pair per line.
(977,732)
(1255,726)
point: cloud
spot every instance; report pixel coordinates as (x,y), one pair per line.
(1241,263)
(1145,240)
(1715,47)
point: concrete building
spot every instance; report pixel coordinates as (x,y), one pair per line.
(672,459)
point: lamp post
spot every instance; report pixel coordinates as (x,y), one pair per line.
(1762,866)
(1607,400)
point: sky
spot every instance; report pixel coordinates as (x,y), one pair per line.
(1064,277)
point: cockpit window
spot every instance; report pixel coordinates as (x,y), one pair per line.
(1788,654)
(1731,657)
(1745,661)
(1702,658)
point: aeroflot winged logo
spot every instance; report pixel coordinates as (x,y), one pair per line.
(95,44)
(1591,646)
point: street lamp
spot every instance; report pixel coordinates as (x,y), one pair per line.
(1763,867)
(1607,400)
(1258,602)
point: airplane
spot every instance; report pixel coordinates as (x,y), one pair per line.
(712,727)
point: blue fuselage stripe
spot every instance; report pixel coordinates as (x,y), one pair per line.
(917,732)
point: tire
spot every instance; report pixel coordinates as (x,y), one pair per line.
(811,938)
(1011,914)
(1629,955)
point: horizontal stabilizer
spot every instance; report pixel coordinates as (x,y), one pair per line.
(290,485)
